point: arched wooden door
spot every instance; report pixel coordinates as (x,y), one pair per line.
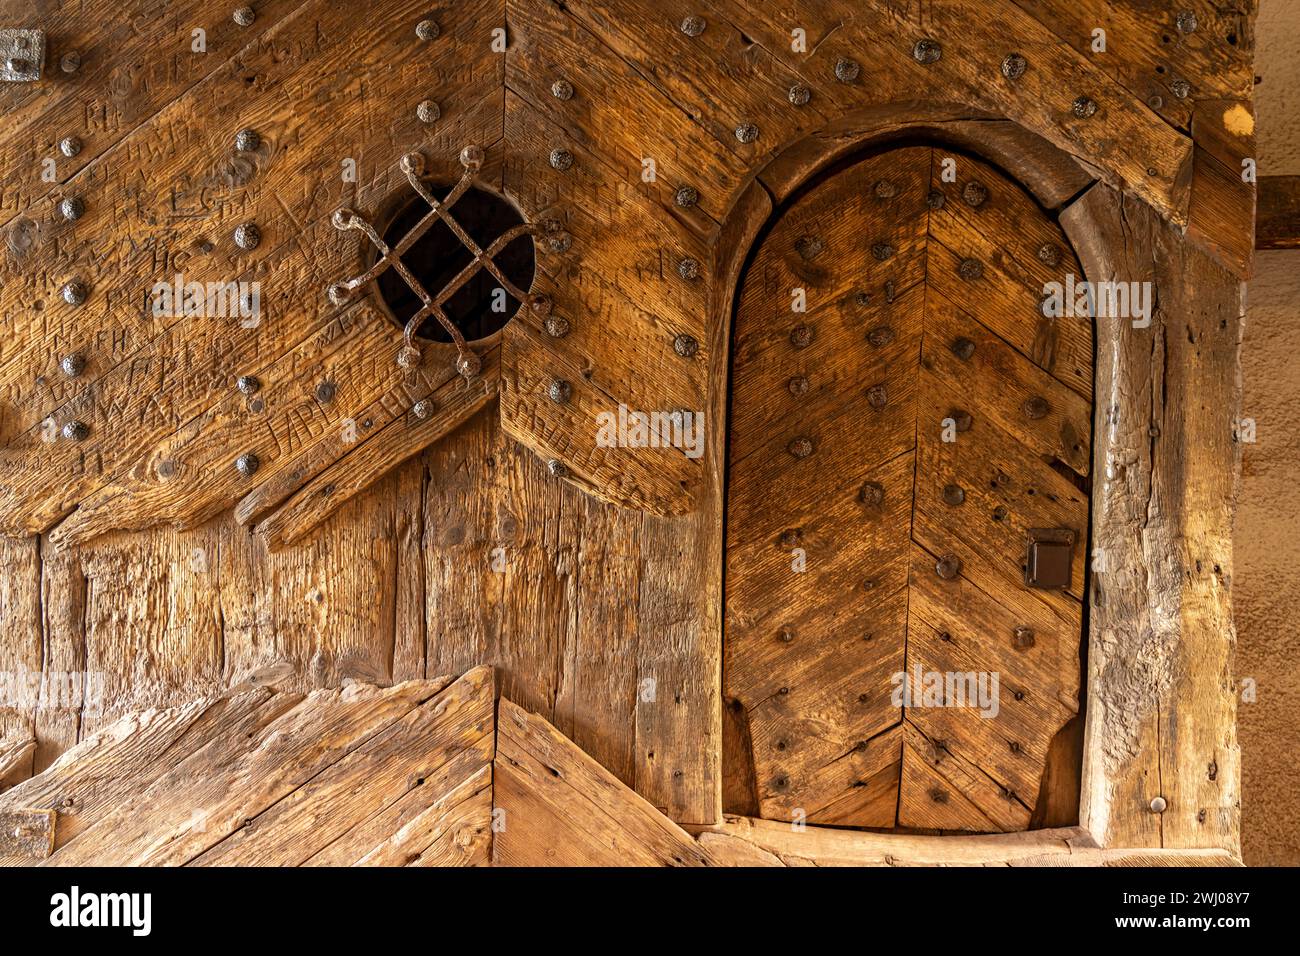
(898,453)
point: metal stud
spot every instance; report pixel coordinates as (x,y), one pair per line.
(689,269)
(798,385)
(1049,253)
(962,419)
(970,269)
(247,236)
(427,30)
(882,251)
(422,409)
(408,357)
(801,447)
(325,392)
(248,384)
(562,90)
(1022,638)
(846,70)
(801,336)
(962,347)
(76,431)
(871,493)
(561,159)
(1159,805)
(685,345)
(468,365)
(472,156)
(877,397)
(935,199)
(71,62)
(862,299)
(1014,66)
(1186,22)
(559,241)
(556,326)
(927,51)
(72,208)
(247,463)
(74,292)
(1083,107)
(1180,88)
(686,196)
(975,194)
(244,16)
(1156,101)
(70,146)
(428,112)
(559,391)
(692,26)
(885,189)
(785,635)
(557,468)
(948,567)
(746,132)
(1036,407)
(73,365)
(247,140)
(799,95)
(881,336)
(809,247)
(954,495)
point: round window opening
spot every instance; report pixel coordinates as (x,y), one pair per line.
(482,305)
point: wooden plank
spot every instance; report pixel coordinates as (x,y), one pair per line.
(16,760)
(27,834)
(562,808)
(1222,216)
(1277,223)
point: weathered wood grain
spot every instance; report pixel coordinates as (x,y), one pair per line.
(1277,223)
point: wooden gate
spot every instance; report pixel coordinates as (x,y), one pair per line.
(907,509)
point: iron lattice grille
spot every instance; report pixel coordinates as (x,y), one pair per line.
(412,164)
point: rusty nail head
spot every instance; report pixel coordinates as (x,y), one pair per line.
(408,356)
(247,236)
(1180,88)
(559,241)
(808,247)
(1013,66)
(248,384)
(798,385)
(927,51)
(76,431)
(557,468)
(70,63)
(970,269)
(948,567)
(422,409)
(325,391)
(790,537)
(881,336)
(1036,407)
(846,70)
(1159,805)
(885,190)
(427,30)
(247,140)
(428,112)
(559,391)
(1083,107)
(801,447)
(882,251)
(561,159)
(70,146)
(693,25)
(799,94)
(557,326)
(685,345)
(1186,22)
(686,196)
(1049,253)
(877,396)
(73,365)
(935,199)
(562,90)
(975,194)
(953,495)
(1022,638)
(746,132)
(963,347)
(72,208)
(540,303)
(689,269)
(468,364)
(786,635)
(74,292)
(801,336)
(862,298)
(244,16)
(247,463)
(872,493)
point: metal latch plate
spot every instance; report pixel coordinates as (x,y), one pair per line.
(22,55)
(1049,561)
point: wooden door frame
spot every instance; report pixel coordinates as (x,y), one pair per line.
(1161,765)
